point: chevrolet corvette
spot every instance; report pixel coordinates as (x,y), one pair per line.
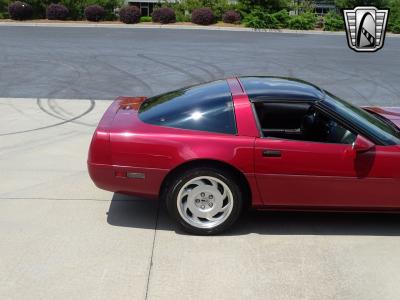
(212,150)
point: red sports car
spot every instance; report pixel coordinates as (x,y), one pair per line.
(272,143)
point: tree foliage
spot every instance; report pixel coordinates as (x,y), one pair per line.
(394,16)
(76,7)
(186,7)
(354,3)
(270,5)
(3,9)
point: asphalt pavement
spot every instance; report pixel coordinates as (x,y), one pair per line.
(103,63)
(62,238)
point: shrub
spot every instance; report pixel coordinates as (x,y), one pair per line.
(77,7)
(333,22)
(57,12)
(231,16)
(108,5)
(129,14)
(146,19)
(304,21)
(396,28)
(94,13)
(183,17)
(394,16)
(259,19)
(320,22)
(3,9)
(271,6)
(38,7)
(219,7)
(20,11)
(203,16)
(282,17)
(164,15)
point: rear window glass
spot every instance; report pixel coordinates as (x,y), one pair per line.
(206,107)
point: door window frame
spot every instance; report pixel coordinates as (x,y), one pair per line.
(311,103)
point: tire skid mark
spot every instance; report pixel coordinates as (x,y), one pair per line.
(210,74)
(368,101)
(23,146)
(20,111)
(219,70)
(145,84)
(91,107)
(366,78)
(53,105)
(198,79)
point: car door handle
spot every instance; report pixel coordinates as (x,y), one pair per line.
(271,153)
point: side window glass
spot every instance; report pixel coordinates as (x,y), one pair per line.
(302,122)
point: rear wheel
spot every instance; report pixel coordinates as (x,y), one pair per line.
(205,200)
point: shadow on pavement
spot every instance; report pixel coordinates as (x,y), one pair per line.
(127,211)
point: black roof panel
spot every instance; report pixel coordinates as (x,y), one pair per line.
(261,88)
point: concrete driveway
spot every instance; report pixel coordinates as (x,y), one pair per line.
(62,238)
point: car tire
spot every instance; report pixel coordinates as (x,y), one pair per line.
(204,201)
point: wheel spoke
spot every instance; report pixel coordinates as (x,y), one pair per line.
(214,184)
(199,182)
(186,193)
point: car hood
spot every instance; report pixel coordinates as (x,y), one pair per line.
(390,113)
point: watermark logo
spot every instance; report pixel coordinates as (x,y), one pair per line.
(365,28)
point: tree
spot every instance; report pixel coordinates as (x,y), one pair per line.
(354,3)
(394,15)
(3,8)
(269,5)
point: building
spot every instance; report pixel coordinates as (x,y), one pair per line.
(322,7)
(147,6)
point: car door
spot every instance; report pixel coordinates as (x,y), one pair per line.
(301,173)
(306,171)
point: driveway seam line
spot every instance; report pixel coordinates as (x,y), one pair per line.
(152,251)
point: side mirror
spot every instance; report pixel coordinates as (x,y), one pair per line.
(361,144)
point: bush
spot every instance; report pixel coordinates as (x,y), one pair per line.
(231,16)
(282,17)
(20,11)
(183,17)
(77,7)
(164,15)
(129,14)
(57,12)
(396,28)
(3,9)
(394,16)
(259,19)
(94,13)
(203,16)
(333,22)
(146,19)
(320,22)
(304,21)
(271,6)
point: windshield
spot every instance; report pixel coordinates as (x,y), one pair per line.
(378,128)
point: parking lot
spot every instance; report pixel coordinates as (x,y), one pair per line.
(63,238)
